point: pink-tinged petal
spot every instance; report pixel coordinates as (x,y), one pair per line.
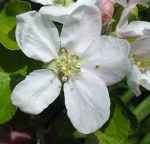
(14,135)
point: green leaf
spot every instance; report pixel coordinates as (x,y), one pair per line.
(117,131)
(7,25)
(105,139)
(145,125)
(8,22)
(134,14)
(145,3)
(91,139)
(16,7)
(78,135)
(7,110)
(127,95)
(119,126)
(146,139)
(143,109)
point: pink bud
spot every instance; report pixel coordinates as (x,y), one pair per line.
(17,137)
(107,8)
(9,136)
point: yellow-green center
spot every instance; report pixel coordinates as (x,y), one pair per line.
(66,65)
(142,63)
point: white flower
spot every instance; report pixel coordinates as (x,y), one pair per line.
(59,10)
(79,59)
(135,28)
(60,13)
(140,53)
(139,72)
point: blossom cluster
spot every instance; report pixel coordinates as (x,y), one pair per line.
(80,59)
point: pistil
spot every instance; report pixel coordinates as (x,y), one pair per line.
(66,65)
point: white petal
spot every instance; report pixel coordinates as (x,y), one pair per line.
(141,51)
(36,92)
(126,3)
(141,47)
(134,79)
(109,57)
(60,13)
(134,1)
(57,13)
(44,2)
(87,102)
(123,22)
(135,29)
(88,2)
(145,80)
(37,37)
(81,28)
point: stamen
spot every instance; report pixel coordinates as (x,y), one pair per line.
(66,65)
(140,64)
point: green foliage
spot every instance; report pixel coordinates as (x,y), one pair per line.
(16,7)
(134,14)
(8,22)
(118,129)
(146,139)
(7,110)
(143,109)
(129,122)
(7,25)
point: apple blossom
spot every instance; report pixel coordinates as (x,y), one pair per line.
(140,52)
(139,72)
(59,13)
(133,29)
(78,59)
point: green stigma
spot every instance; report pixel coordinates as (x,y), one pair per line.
(66,65)
(63,2)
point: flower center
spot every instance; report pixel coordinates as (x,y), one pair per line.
(142,63)
(66,65)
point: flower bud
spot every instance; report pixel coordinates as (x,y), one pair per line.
(107,8)
(8,136)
